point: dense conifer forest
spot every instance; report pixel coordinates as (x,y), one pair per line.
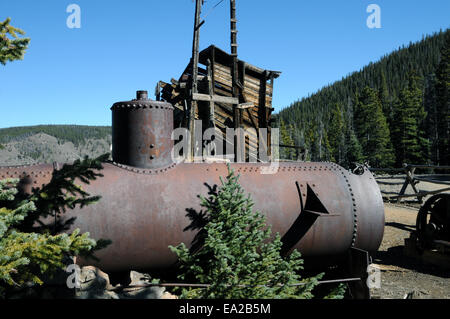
(391,112)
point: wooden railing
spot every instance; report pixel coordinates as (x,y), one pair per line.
(412,179)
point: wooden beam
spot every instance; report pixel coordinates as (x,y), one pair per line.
(214,98)
(246,105)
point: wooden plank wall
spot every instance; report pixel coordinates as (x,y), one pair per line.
(251,93)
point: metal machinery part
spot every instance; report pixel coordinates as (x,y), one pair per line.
(320,209)
(433,222)
(141,132)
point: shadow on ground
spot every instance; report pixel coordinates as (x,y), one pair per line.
(395,256)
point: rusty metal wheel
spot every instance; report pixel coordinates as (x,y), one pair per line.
(433,221)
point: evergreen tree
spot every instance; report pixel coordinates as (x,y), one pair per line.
(433,117)
(423,138)
(311,141)
(372,130)
(336,135)
(354,152)
(383,94)
(388,77)
(443,102)
(28,247)
(286,139)
(234,255)
(409,125)
(11,46)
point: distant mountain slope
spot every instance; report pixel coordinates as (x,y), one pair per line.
(309,119)
(49,143)
(422,56)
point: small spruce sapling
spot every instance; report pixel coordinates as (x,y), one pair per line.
(236,254)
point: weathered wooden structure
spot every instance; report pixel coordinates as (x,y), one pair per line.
(217,107)
(223,92)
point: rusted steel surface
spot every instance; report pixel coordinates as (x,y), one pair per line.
(30,175)
(318,208)
(141,132)
(143,211)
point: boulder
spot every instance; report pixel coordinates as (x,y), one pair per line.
(168,295)
(94,285)
(139,279)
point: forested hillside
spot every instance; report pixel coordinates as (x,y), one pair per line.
(393,111)
(52,143)
(71,133)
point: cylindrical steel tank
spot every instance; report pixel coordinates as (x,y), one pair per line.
(143,211)
(320,209)
(141,131)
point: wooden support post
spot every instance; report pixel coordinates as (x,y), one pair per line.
(237,113)
(194,81)
(158,91)
(409,180)
(211,93)
(263,120)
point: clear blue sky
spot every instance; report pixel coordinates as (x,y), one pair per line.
(73,76)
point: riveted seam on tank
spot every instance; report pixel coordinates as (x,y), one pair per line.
(354,209)
(122,105)
(144,171)
(17,166)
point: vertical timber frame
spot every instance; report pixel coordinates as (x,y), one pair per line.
(268,120)
(263,116)
(226,88)
(237,113)
(193,104)
(211,93)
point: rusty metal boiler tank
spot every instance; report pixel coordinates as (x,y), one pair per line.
(321,209)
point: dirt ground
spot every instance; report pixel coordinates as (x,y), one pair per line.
(402,275)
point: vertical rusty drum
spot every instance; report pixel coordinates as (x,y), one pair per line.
(141,132)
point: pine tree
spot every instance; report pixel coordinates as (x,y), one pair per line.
(388,77)
(443,102)
(409,135)
(372,130)
(353,151)
(324,145)
(11,46)
(433,117)
(423,139)
(336,134)
(286,139)
(27,251)
(311,141)
(235,256)
(383,94)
